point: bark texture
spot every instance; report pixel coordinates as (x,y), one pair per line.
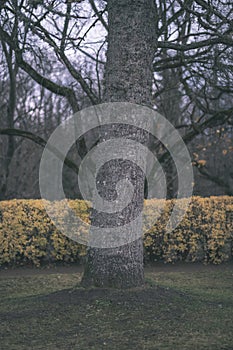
(131,48)
(128,78)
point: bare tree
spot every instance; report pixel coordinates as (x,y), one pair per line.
(145,38)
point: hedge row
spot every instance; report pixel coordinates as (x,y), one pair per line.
(205,234)
(27,235)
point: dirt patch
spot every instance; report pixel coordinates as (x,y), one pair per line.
(145,295)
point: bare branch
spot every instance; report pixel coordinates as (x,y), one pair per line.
(217,180)
(41,80)
(99,14)
(223,39)
(41,142)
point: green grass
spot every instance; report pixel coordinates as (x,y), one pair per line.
(176,310)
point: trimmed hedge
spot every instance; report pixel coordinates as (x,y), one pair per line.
(205,234)
(27,235)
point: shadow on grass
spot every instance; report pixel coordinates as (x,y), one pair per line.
(151,317)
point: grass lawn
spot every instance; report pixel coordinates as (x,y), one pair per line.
(175,310)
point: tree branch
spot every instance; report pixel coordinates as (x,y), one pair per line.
(226,40)
(217,180)
(98,14)
(61,54)
(41,142)
(41,80)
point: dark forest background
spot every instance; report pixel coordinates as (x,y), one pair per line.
(52,57)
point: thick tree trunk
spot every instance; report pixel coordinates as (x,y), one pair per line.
(131,48)
(128,78)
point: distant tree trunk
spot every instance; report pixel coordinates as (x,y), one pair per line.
(12,68)
(169,107)
(128,78)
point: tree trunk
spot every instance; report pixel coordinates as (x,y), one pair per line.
(128,78)
(12,68)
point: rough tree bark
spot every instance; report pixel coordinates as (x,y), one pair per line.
(128,78)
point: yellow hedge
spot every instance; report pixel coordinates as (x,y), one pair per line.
(205,234)
(27,234)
